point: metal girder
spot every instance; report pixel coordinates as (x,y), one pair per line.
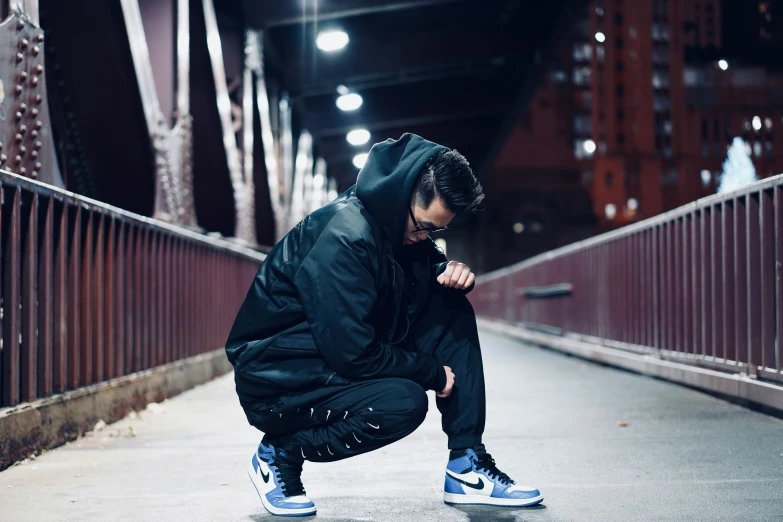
(264,14)
(378,56)
(408,106)
(453,134)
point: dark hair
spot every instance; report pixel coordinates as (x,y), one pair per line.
(448,175)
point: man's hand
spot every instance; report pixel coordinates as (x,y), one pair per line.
(449,383)
(457,275)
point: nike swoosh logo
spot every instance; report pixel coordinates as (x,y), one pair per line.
(478,485)
(264,476)
(376,427)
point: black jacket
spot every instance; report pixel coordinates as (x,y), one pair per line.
(325,306)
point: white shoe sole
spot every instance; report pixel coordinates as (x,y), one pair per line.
(453,498)
(259,484)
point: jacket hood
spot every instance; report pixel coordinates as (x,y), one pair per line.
(385,183)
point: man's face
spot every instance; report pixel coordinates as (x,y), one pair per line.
(436,216)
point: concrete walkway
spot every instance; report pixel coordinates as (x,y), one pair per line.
(553,422)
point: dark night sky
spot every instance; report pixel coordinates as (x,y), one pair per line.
(742,23)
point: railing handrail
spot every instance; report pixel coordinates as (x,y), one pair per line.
(628,230)
(32,185)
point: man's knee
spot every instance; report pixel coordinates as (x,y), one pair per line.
(410,399)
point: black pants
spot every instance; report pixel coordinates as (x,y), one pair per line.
(334,423)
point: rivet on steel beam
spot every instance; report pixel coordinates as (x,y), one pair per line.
(38,165)
(22,129)
(38,98)
(3,157)
(20,25)
(34,154)
(34,174)
(1,145)
(39,38)
(22,108)
(23,75)
(22,150)
(34,112)
(36,50)
(34,134)
(38,124)
(24,43)
(37,145)
(19,57)
(19,138)
(18,115)
(34,81)
(18,159)
(38,69)
(18,89)
(22,171)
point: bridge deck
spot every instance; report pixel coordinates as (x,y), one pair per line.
(553,422)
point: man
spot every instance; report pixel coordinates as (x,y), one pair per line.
(352,317)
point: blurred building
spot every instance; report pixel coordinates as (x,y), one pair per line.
(640,107)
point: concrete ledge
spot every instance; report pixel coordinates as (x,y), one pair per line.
(53,421)
(730,385)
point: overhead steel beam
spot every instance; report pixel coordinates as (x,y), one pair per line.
(371,57)
(453,133)
(289,12)
(375,123)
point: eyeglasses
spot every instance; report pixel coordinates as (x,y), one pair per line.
(418,229)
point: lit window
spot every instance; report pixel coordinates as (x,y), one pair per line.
(768,123)
(583,124)
(582,75)
(584,148)
(559,76)
(757,149)
(582,52)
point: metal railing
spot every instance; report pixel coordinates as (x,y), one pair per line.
(90,292)
(700,284)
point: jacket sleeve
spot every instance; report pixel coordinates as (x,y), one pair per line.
(440,267)
(337,290)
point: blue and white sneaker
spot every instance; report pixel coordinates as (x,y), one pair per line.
(474,479)
(278,482)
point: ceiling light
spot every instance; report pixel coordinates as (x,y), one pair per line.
(349,102)
(723,64)
(359,160)
(600,37)
(358,136)
(589,146)
(330,41)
